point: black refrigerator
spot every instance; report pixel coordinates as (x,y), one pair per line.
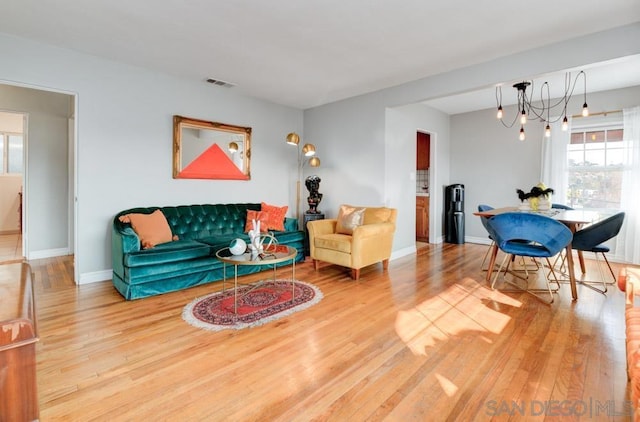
(454,213)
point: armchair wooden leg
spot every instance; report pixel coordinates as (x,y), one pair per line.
(385,264)
(355,273)
(316,264)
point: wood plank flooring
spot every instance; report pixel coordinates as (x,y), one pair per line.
(425,341)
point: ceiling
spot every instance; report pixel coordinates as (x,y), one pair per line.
(307,53)
(603,76)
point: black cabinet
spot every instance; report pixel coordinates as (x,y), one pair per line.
(309,217)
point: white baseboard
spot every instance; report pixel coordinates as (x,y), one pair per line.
(48,253)
(403,252)
(478,240)
(95,276)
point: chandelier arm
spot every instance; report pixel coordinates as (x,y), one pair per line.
(567,87)
(568,93)
(532,109)
(510,125)
(560,101)
(556,119)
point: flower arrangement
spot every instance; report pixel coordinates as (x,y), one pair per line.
(538,197)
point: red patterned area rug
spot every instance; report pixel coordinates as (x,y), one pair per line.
(269,301)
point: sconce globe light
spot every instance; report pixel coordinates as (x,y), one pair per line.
(543,112)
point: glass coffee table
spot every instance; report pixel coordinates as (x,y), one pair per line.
(273,254)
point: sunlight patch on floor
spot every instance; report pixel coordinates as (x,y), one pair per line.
(467,306)
(449,388)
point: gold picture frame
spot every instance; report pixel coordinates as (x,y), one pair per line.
(210,150)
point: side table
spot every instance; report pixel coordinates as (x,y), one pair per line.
(309,217)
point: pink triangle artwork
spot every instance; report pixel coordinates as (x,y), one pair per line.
(213,164)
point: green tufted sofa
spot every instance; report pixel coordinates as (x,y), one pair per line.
(190,261)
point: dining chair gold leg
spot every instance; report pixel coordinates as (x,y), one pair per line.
(591,284)
(495,278)
(486,254)
(518,288)
(610,269)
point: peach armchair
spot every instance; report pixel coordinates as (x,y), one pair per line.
(363,242)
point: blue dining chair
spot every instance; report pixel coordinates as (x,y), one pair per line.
(483,220)
(592,239)
(529,235)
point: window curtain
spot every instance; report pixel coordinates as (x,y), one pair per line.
(554,160)
(628,240)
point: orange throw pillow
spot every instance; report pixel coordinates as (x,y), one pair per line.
(276,216)
(349,218)
(262,216)
(152,229)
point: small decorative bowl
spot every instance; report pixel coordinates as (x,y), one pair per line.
(238,247)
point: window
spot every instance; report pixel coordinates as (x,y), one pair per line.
(11,148)
(595,162)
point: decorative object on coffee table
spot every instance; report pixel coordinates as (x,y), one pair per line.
(255,246)
(269,301)
(238,246)
(313,184)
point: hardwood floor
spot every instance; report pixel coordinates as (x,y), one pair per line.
(426,340)
(10,247)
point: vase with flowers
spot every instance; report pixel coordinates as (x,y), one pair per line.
(539,198)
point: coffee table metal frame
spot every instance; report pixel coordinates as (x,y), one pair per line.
(265,259)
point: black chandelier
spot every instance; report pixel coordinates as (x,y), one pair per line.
(527,110)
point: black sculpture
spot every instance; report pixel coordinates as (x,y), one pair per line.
(313,184)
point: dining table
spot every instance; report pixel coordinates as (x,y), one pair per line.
(574,219)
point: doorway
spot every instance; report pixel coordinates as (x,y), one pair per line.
(423,165)
(12,141)
(44,217)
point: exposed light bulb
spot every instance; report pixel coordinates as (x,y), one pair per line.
(585,110)
(547,131)
(565,124)
(499,115)
(521,137)
(523,117)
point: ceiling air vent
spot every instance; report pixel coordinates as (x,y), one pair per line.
(220,83)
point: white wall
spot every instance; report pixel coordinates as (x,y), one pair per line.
(492,163)
(352,170)
(124,139)
(402,123)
